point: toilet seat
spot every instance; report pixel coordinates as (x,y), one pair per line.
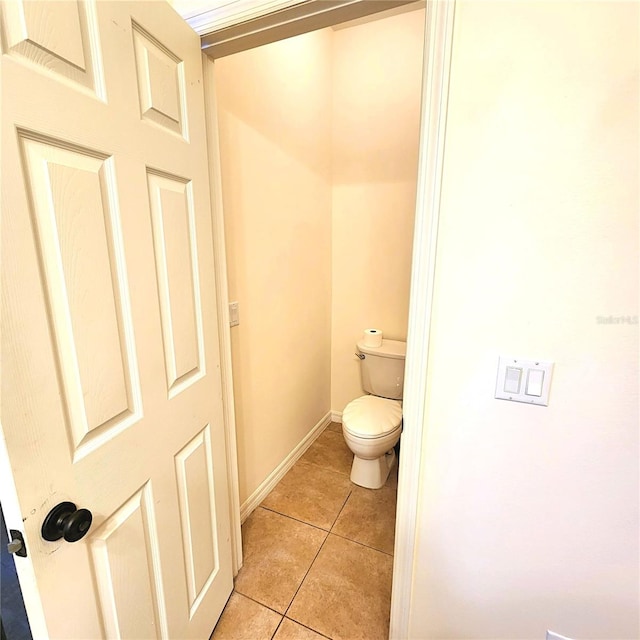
(372,417)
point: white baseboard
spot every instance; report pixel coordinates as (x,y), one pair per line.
(254,500)
(336,416)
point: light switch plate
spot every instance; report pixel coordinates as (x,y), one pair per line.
(552,635)
(531,389)
(234,315)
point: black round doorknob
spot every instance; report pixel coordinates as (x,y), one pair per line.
(66,521)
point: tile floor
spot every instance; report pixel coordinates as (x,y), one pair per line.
(318,555)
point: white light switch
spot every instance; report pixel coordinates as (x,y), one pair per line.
(512,380)
(523,380)
(535,378)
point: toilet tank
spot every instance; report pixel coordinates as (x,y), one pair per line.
(382,368)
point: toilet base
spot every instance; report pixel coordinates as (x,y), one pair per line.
(372,474)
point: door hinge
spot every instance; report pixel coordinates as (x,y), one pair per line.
(17,545)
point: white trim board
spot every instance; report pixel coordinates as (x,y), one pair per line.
(263,490)
(336,416)
(204,18)
(435,92)
(291,19)
(222,304)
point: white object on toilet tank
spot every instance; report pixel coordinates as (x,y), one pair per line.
(382,368)
(372,338)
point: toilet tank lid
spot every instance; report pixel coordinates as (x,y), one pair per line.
(371,416)
(389,349)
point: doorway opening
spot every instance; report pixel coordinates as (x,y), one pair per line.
(319,139)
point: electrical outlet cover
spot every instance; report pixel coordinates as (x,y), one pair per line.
(552,635)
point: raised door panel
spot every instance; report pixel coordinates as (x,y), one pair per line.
(126,563)
(173,223)
(194,473)
(77,225)
(56,37)
(160,76)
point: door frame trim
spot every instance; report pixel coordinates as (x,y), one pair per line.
(216,18)
(288,21)
(222,304)
(439,24)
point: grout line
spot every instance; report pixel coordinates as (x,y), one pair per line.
(362,544)
(262,604)
(276,631)
(344,474)
(284,515)
(333,524)
(319,466)
(308,627)
(306,574)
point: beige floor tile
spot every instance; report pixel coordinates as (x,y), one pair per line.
(330,451)
(277,553)
(334,426)
(310,494)
(244,619)
(347,593)
(290,630)
(369,517)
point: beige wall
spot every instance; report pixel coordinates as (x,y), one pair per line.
(274,111)
(529,515)
(377,70)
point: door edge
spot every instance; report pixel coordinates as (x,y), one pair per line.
(222,303)
(439,23)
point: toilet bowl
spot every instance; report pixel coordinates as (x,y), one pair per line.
(371,427)
(371,424)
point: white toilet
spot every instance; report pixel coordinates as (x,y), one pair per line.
(371,424)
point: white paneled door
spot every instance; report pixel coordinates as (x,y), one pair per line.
(111,394)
